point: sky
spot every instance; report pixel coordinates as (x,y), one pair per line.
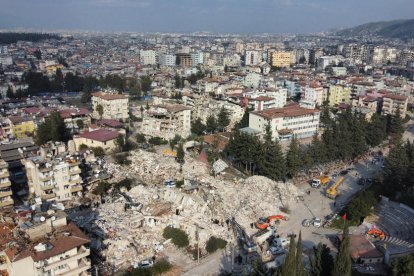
(221,16)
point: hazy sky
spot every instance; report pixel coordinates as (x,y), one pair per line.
(225,16)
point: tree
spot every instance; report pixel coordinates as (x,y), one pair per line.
(223,119)
(147,107)
(102,188)
(289,267)
(37,54)
(80,124)
(98,151)
(321,262)
(197,127)
(180,153)
(120,142)
(178,237)
(99,109)
(343,264)
(403,266)
(395,126)
(146,83)
(300,269)
(9,93)
(294,161)
(213,244)
(271,162)
(178,81)
(361,206)
(53,129)
(211,124)
(244,122)
(142,111)
(140,138)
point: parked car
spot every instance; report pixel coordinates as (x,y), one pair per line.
(276,250)
(146,264)
(306,223)
(317,222)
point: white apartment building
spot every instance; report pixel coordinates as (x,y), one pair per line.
(53,178)
(266,99)
(5,186)
(252,80)
(383,54)
(167,121)
(314,93)
(393,102)
(197,58)
(286,122)
(324,61)
(168,60)
(148,57)
(115,106)
(252,57)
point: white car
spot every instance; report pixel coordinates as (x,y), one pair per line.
(146,264)
(317,222)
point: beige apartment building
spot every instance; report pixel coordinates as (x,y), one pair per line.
(115,106)
(281,59)
(5,186)
(339,94)
(53,178)
(392,102)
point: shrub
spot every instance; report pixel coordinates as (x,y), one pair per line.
(213,244)
(122,159)
(179,183)
(140,138)
(98,151)
(83,147)
(126,183)
(178,237)
(157,141)
(159,268)
(102,188)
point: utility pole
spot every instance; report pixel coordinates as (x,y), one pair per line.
(198,247)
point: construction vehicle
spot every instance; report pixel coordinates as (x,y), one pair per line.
(376,233)
(264,222)
(261,236)
(332,192)
(316,182)
(241,234)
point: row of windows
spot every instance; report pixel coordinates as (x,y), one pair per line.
(299,122)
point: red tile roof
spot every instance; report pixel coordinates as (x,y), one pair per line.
(395,97)
(109,96)
(31,110)
(101,135)
(109,123)
(263,99)
(290,111)
(67,113)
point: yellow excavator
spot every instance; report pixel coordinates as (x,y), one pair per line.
(332,192)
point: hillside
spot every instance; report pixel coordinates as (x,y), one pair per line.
(403,29)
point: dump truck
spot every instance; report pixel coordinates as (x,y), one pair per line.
(261,236)
(316,182)
(332,192)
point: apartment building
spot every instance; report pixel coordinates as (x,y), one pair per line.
(286,122)
(281,59)
(22,126)
(338,94)
(148,57)
(266,99)
(197,58)
(115,106)
(53,178)
(167,121)
(393,102)
(184,60)
(61,251)
(168,60)
(252,57)
(103,138)
(314,92)
(384,54)
(71,117)
(325,61)
(5,185)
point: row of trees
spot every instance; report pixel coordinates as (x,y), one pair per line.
(12,37)
(345,138)
(213,123)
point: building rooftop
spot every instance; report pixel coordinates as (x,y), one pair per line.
(109,96)
(67,113)
(101,135)
(360,247)
(395,97)
(290,111)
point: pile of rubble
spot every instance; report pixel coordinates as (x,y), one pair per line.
(201,207)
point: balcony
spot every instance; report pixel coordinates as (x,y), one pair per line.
(75,189)
(8,202)
(82,253)
(6,193)
(48,187)
(75,180)
(44,178)
(5,184)
(48,196)
(4,174)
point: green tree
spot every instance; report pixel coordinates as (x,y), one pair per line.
(223,119)
(396,168)
(178,81)
(53,129)
(403,266)
(146,82)
(300,269)
(37,54)
(140,138)
(180,153)
(147,107)
(80,124)
(120,142)
(244,122)
(272,162)
(178,237)
(197,127)
(343,264)
(213,244)
(321,262)
(98,151)
(102,188)
(99,109)
(9,93)
(395,126)
(289,267)
(294,158)
(361,206)
(211,124)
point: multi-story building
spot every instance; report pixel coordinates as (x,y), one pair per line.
(269,98)
(197,58)
(184,60)
(339,94)
(22,126)
(356,53)
(148,57)
(383,54)
(5,185)
(314,55)
(325,61)
(286,122)
(114,105)
(393,102)
(281,59)
(167,121)
(168,60)
(72,116)
(252,80)
(252,57)
(53,178)
(314,92)
(102,138)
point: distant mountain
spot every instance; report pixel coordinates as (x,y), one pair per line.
(403,29)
